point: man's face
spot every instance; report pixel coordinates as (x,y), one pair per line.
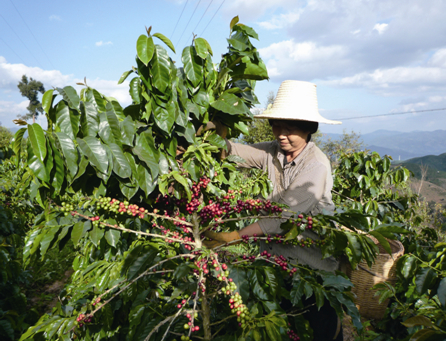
(289,136)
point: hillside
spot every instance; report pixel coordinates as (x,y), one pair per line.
(402,146)
(436,168)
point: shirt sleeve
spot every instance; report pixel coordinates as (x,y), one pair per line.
(254,155)
(303,194)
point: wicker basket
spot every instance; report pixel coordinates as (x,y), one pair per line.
(364,278)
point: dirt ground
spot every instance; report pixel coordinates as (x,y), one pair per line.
(46,298)
(348,329)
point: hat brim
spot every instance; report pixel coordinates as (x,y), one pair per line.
(272,114)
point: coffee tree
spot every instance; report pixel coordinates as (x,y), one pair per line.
(135,188)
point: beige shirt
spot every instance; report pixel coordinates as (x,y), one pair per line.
(304,185)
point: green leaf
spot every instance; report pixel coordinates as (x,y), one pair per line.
(217,140)
(67,120)
(107,315)
(18,140)
(201,46)
(165,40)
(234,21)
(6,329)
(47,239)
(425,280)
(441,292)
(239,276)
(124,76)
(181,271)
(145,180)
(272,331)
(69,152)
(271,280)
(163,119)
(135,90)
(127,190)
(407,265)
(112,237)
(427,335)
(113,123)
(38,168)
(230,104)
(120,162)
(354,245)
(336,281)
(96,235)
(383,241)
(392,228)
(70,95)
(142,262)
(292,234)
(59,173)
(256,281)
(79,230)
(47,100)
(182,180)
(89,119)
(160,69)
(95,152)
(38,142)
(128,130)
(145,48)
(192,65)
(417,321)
(147,154)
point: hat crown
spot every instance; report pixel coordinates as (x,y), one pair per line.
(296,100)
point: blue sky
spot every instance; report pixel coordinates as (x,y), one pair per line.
(366,57)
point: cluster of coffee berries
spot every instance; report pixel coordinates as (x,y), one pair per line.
(258,205)
(121,207)
(306,222)
(82,318)
(231,287)
(292,335)
(237,307)
(231,194)
(190,324)
(67,208)
(185,338)
(213,211)
(96,301)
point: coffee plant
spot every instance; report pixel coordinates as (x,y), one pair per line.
(135,188)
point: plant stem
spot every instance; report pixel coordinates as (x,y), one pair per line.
(206,308)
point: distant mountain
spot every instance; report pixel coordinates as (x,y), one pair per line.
(402,146)
(436,168)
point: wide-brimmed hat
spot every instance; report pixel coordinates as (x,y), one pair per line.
(297,101)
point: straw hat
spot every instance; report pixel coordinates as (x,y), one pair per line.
(295,100)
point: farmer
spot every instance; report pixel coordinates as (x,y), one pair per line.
(301,177)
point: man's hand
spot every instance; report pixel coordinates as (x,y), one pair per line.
(221,238)
(220,128)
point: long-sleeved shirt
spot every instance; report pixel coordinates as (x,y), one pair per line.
(304,185)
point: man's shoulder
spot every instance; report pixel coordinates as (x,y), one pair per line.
(317,156)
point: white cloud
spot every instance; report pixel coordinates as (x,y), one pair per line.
(281,20)
(299,59)
(380,28)
(9,111)
(253,9)
(102,43)
(438,58)
(395,80)
(55,18)
(10,75)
